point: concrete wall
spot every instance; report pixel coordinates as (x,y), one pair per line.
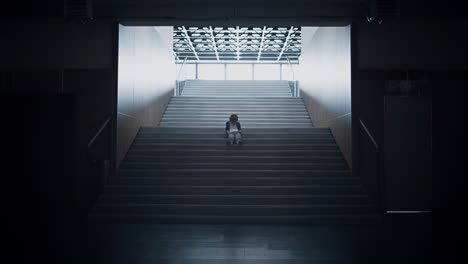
(431,53)
(146,80)
(69,60)
(57,44)
(325,81)
(211,12)
(57,82)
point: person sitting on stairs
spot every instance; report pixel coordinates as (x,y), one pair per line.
(233,131)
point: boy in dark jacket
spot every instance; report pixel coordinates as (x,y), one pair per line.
(233,130)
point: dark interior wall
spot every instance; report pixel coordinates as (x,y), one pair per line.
(427,52)
(58,84)
(63,59)
(325,81)
(57,44)
(424,56)
(420,50)
(146,80)
(214,12)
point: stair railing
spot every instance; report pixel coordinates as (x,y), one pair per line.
(100,166)
(293,87)
(180,83)
(99,131)
(380,184)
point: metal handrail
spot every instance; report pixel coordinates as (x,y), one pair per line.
(377,148)
(295,92)
(180,68)
(178,88)
(101,128)
(290,66)
(380,179)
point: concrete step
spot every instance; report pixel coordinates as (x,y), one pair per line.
(234,181)
(237,104)
(358,219)
(232,173)
(225,117)
(237,85)
(216,146)
(246,140)
(244,125)
(233,210)
(260,131)
(237,81)
(286,99)
(231,166)
(233,153)
(241,100)
(221,135)
(131,157)
(233,95)
(245,119)
(240,112)
(227,107)
(236,92)
(251,88)
(233,199)
(229,84)
(237,190)
(268,105)
(245,122)
(263,89)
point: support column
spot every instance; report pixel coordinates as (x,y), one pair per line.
(253,71)
(225,71)
(281,71)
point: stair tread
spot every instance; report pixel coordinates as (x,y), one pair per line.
(238,205)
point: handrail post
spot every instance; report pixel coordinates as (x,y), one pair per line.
(297,88)
(295,91)
(177,91)
(380,169)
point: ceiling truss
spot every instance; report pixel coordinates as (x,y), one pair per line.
(237,43)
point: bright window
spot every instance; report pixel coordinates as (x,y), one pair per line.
(239,71)
(287,73)
(188,72)
(267,72)
(211,71)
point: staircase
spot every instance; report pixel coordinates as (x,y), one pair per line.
(286,172)
(258,112)
(236,88)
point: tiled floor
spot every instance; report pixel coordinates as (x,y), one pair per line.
(402,239)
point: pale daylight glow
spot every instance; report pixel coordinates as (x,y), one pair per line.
(239,71)
(211,71)
(267,72)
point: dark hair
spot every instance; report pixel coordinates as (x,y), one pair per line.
(233,118)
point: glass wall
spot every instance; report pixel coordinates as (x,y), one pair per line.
(188,72)
(233,71)
(267,72)
(239,71)
(287,73)
(211,72)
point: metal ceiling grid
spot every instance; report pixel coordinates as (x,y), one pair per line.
(237,43)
